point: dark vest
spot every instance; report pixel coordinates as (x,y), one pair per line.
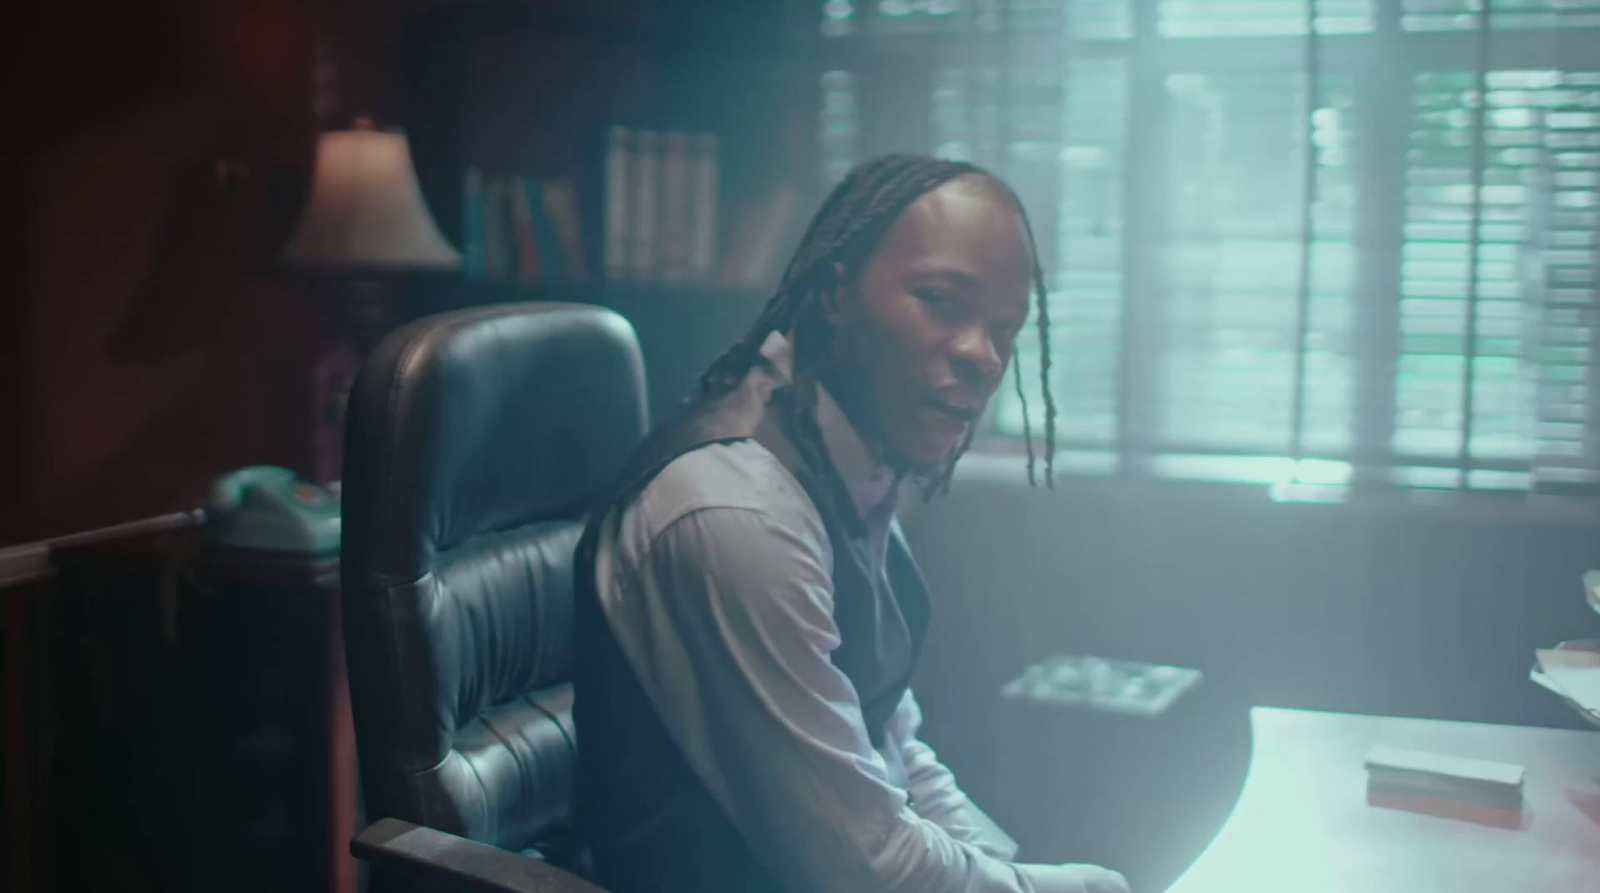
(646,818)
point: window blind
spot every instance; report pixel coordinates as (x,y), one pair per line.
(1236,146)
(1253,175)
(1072,174)
(836,124)
(1462,15)
(1077,19)
(1514,397)
(1256,18)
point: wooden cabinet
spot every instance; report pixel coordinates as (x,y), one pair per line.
(203,727)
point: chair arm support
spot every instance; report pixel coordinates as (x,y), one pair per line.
(436,858)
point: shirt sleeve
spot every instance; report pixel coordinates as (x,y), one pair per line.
(728,621)
(934,793)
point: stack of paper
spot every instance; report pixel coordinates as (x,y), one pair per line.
(1117,686)
(1572,671)
(1398,772)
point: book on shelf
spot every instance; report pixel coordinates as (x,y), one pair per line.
(703,208)
(528,251)
(545,239)
(496,242)
(618,164)
(641,219)
(522,229)
(472,224)
(673,260)
(561,204)
(661,206)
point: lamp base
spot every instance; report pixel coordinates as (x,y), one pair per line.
(353,329)
(332,377)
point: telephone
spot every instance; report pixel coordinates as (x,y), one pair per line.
(268,508)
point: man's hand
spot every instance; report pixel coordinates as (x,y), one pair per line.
(1074,879)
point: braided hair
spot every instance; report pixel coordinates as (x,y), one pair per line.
(843,235)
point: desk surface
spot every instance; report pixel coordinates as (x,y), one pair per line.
(1303,823)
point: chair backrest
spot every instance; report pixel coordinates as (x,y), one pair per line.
(475,442)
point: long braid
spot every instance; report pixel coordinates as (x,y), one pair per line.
(846,229)
(941,484)
(1042,301)
(1022,398)
(809,341)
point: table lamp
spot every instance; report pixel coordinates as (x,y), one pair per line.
(366,215)
(365,223)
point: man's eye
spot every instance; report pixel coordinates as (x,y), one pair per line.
(934,298)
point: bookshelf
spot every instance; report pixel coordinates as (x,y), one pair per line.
(515,93)
(512,90)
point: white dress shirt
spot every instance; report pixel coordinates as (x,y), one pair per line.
(716,582)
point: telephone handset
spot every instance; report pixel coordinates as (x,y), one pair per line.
(268,508)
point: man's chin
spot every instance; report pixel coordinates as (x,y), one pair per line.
(915,465)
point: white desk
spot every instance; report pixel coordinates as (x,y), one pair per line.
(1303,824)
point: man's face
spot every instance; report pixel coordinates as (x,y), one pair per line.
(925,337)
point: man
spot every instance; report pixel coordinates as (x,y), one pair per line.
(748,614)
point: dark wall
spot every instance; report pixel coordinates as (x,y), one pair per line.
(1426,610)
(1401,609)
(146,348)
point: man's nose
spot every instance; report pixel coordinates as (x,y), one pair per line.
(975,357)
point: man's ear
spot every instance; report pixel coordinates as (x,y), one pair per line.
(833,296)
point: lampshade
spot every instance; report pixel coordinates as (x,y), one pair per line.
(366,209)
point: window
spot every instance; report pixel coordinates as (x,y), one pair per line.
(1498,277)
(1267,261)
(1236,252)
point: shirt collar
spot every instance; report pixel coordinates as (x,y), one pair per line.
(869,479)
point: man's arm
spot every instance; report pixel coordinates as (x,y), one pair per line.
(934,793)
(728,623)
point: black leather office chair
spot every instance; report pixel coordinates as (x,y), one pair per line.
(475,442)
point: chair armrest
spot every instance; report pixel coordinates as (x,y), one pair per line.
(436,858)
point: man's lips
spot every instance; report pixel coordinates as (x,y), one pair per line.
(961,411)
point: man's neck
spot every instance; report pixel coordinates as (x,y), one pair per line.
(859,458)
(867,427)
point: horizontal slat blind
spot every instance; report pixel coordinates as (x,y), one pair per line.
(1565,229)
(836,124)
(1255,18)
(1461,15)
(1073,183)
(1077,19)
(1531,358)
(966,114)
(1236,149)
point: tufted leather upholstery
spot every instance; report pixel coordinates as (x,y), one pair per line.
(475,442)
